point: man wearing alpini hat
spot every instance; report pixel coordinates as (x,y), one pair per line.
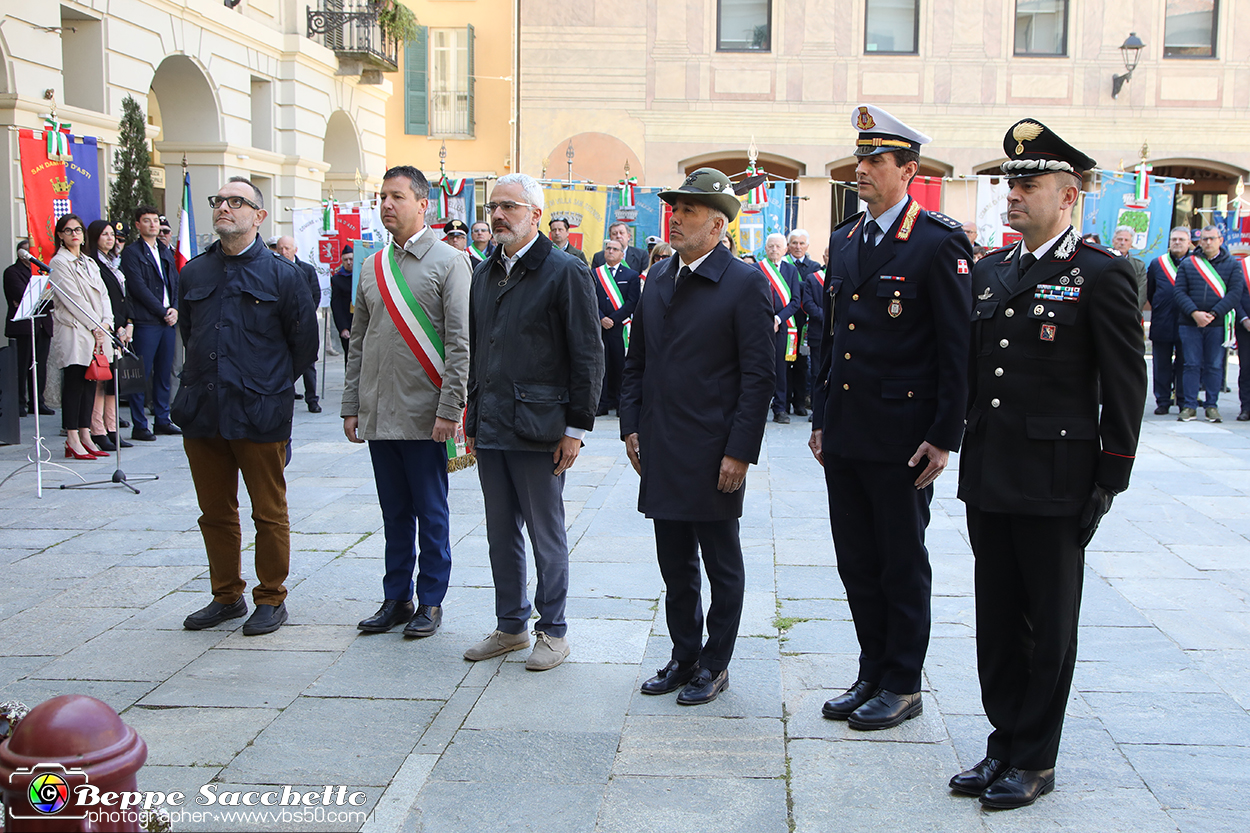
(1055,328)
(888,410)
(694,401)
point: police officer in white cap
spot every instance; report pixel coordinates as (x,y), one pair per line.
(888,410)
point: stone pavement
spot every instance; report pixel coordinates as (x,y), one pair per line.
(1157,739)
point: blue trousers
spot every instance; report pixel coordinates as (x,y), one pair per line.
(1169,366)
(1204,355)
(411,476)
(154,343)
(518,487)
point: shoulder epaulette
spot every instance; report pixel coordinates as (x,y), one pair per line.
(1100,249)
(944,220)
(854,218)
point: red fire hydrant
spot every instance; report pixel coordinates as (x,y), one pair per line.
(65,743)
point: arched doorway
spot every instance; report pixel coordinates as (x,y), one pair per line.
(1207,198)
(597,157)
(342,154)
(183,106)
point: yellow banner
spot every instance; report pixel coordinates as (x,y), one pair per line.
(585,210)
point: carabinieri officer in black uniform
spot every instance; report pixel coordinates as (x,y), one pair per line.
(1055,324)
(891,409)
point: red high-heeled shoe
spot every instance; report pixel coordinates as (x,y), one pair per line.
(69,452)
(96,452)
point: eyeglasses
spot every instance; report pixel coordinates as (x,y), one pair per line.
(72,230)
(508,206)
(236,203)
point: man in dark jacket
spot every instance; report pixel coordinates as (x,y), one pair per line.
(784,280)
(616,289)
(16,277)
(152,297)
(288,249)
(341,298)
(1055,332)
(1243,339)
(535,369)
(1208,288)
(812,301)
(694,405)
(1165,341)
(635,258)
(249,330)
(559,229)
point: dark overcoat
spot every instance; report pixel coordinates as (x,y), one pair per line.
(1045,349)
(698,379)
(1161,293)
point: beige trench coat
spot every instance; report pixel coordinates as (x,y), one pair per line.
(77,279)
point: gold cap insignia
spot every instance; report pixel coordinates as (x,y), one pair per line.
(1025,131)
(864,121)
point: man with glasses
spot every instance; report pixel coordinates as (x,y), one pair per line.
(249,330)
(635,258)
(1209,286)
(480,246)
(535,370)
(152,299)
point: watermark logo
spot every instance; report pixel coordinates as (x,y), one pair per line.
(50,791)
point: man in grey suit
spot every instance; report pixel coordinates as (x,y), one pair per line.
(535,370)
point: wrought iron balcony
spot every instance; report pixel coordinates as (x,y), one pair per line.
(351,29)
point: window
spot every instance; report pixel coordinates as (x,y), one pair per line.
(1189,29)
(451,82)
(1041,27)
(744,25)
(82,60)
(262,113)
(891,26)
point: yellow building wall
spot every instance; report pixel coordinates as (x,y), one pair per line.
(488,152)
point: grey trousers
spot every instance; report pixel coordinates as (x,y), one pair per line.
(518,488)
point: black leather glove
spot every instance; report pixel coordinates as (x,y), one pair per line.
(1097,505)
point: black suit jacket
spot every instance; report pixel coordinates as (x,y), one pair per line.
(698,380)
(16,277)
(792,279)
(629,283)
(341,299)
(635,258)
(895,353)
(144,283)
(309,273)
(1037,441)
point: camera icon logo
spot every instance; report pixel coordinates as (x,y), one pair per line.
(50,791)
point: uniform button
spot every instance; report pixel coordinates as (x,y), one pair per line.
(212,355)
(897,293)
(522,396)
(1051,314)
(850,326)
(847,357)
(855,297)
(1063,432)
(210,385)
(910,395)
(1009,312)
(846,386)
(998,371)
(994,403)
(217,326)
(1003,343)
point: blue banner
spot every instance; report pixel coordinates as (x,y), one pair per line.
(84,179)
(1114,204)
(643,219)
(753,229)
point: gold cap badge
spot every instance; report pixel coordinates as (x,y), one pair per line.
(1025,131)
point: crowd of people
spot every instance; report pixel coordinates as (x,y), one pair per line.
(904,341)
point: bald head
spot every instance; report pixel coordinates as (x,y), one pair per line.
(287,248)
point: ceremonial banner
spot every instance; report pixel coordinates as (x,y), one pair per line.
(991,219)
(361,249)
(643,218)
(585,209)
(1117,203)
(44,183)
(308,223)
(927,190)
(84,179)
(186,247)
(751,230)
(450,199)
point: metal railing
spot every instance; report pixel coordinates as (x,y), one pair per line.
(352,31)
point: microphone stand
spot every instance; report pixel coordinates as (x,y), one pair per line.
(119,477)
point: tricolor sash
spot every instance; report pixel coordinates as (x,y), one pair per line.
(478,253)
(411,321)
(609,286)
(1165,263)
(783,291)
(1213,280)
(820,277)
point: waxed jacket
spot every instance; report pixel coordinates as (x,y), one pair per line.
(249,328)
(536,363)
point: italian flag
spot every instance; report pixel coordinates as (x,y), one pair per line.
(186,227)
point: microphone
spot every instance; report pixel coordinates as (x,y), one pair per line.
(22,254)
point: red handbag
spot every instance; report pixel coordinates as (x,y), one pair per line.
(98,370)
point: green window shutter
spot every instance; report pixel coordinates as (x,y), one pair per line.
(472,81)
(416,74)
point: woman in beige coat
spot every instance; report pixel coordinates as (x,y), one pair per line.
(77,333)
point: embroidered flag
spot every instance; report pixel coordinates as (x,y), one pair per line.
(961,266)
(609,286)
(457,455)
(186,227)
(413,324)
(628,194)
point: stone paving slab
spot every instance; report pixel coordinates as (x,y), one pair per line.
(739,805)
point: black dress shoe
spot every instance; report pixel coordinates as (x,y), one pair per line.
(1161,410)
(142,434)
(168,428)
(299,396)
(670,678)
(121,423)
(703,687)
(1244,416)
(601,412)
(44,410)
(781,418)
(1018,788)
(425,622)
(391,613)
(800,411)
(885,711)
(214,614)
(265,619)
(119,441)
(842,706)
(974,781)
(314,407)
(103,442)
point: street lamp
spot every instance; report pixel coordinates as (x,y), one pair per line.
(568,154)
(1131,50)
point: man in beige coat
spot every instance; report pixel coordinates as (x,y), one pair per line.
(407,372)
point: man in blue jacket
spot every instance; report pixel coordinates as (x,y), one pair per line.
(616,288)
(1208,288)
(784,282)
(249,330)
(152,299)
(1243,338)
(1166,350)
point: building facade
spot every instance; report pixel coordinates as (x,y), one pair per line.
(246,90)
(670,86)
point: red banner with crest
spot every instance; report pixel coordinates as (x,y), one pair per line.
(43,183)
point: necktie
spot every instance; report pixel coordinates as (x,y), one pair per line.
(1026,263)
(682,275)
(873,230)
